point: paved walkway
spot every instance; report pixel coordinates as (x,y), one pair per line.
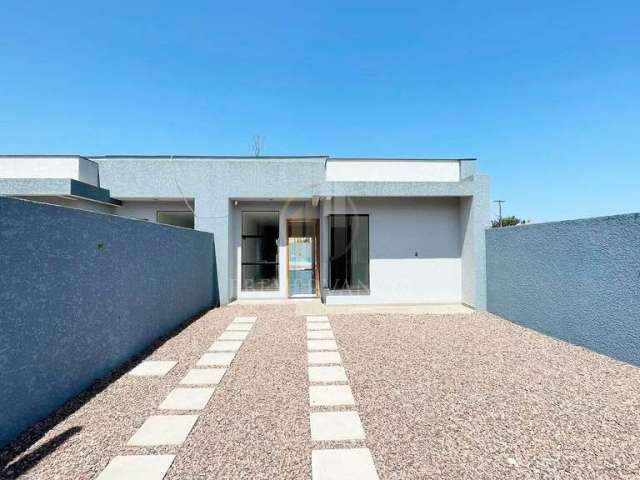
(265,391)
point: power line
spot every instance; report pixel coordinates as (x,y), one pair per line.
(500,202)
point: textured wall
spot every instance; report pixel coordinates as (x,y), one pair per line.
(577,280)
(82,292)
(215,182)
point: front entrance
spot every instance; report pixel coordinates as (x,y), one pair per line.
(303,258)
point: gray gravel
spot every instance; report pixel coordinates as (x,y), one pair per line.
(440,396)
(475,396)
(255,425)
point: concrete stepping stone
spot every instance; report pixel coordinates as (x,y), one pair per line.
(343,464)
(152,368)
(319,345)
(318,326)
(187,399)
(228,346)
(328,374)
(330,395)
(163,430)
(239,327)
(336,426)
(244,320)
(139,467)
(203,376)
(324,358)
(323,335)
(233,336)
(212,359)
(317,318)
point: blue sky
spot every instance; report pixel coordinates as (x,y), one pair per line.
(545,94)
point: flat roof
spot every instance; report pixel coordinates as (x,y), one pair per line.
(246,157)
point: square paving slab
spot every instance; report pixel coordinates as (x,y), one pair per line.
(153,368)
(233,336)
(244,319)
(343,464)
(203,376)
(318,326)
(138,467)
(329,374)
(187,399)
(239,327)
(317,318)
(323,335)
(336,426)
(163,430)
(318,345)
(330,395)
(211,359)
(229,346)
(324,358)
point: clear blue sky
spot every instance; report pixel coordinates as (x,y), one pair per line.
(545,94)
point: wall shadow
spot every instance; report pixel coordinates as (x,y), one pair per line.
(26,463)
(33,434)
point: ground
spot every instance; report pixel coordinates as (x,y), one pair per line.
(439,396)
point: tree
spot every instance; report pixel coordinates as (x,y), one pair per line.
(507,222)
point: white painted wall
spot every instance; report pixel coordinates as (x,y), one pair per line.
(287,210)
(147,210)
(72,167)
(393,170)
(398,230)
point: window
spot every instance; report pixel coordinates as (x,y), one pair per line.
(260,232)
(179,219)
(349,252)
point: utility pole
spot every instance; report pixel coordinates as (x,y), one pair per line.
(500,202)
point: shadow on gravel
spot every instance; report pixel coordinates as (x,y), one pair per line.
(29,437)
(26,463)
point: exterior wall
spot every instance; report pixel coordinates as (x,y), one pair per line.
(77,168)
(214,183)
(468,292)
(393,170)
(81,293)
(414,249)
(148,210)
(576,280)
(73,203)
(287,210)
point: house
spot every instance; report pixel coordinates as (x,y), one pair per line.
(348,230)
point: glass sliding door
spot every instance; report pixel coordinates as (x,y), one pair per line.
(260,234)
(302,259)
(349,252)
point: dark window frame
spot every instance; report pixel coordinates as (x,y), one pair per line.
(243,263)
(330,256)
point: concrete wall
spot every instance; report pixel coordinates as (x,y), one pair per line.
(378,170)
(414,249)
(73,203)
(77,168)
(576,280)
(215,182)
(148,210)
(81,293)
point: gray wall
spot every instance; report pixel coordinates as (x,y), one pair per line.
(215,182)
(82,292)
(576,280)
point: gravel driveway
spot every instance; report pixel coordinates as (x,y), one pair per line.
(440,396)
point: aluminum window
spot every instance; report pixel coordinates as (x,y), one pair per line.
(260,235)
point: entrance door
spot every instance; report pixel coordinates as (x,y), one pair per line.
(303,257)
